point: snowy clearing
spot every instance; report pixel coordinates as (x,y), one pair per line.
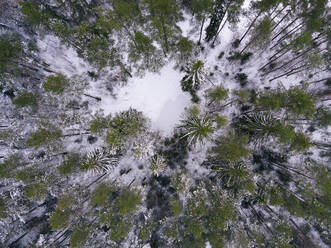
(157,95)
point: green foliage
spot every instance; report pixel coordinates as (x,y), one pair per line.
(300,102)
(295,100)
(61,217)
(99,124)
(79,236)
(323,116)
(193,226)
(261,125)
(26,99)
(175,207)
(143,44)
(70,165)
(232,147)
(217,94)
(286,135)
(216,240)
(44,136)
(3,207)
(10,49)
(323,185)
(201,7)
(99,54)
(196,128)
(194,110)
(171,229)
(36,190)
(271,100)
(275,196)
(33,13)
(302,41)
(27,175)
(195,76)
(128,201)
(56,84)
(184,49)
(196,207)
(219,214)
(294,205)
(9,165)
(243,57)
(125,125)
(119,231)
(102,195)
(242,95)
(178,182)
(262,31)
(146,230)
(323,181)
(6,134)
(300,142)
(283,236)
(221,121)
(236,177)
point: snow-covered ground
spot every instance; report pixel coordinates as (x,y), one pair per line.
(158,96)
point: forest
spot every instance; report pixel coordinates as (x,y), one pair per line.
(165,124)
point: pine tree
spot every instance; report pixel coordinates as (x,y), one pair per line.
(196,129)
(194,78)
(56,84)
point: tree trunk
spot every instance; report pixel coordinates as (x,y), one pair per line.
(281,20)
(165,37)
(318,144)
(288,168)
(219,31)
(289,73)
(94,97)
(203,22)
(74,134)
(248,44)
(278,12)
(260,219)
(287,49)
(96,180)
(131,36)
(285,28)
(250,26)
(285,35)
(304,239)
(320,80)
(273,11)
(300,55)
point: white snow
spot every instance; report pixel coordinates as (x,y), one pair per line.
(62,59)
(158,96)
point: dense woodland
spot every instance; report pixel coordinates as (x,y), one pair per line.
(247,166)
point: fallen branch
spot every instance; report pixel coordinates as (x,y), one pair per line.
(94,97)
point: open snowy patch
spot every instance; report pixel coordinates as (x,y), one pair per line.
(157,95)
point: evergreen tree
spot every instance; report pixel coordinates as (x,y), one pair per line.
(197,128)
(194,78)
